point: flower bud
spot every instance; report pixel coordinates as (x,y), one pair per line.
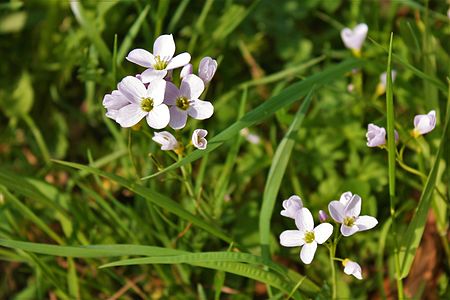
(198,139)
(207,69)
(322,216)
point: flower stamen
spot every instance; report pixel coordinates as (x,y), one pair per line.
(160,64)
(147,104)
(349,221)
(182,103)
(309,237)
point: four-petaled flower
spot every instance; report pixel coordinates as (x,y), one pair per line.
(166,140)
(144,102)
(207,68)
(354,38)
(198,138)
(424,123)
(184,101)
(292,207)
(348,216)
(113,103)
(161,60)
(376,136)
(306,235)
(352,268)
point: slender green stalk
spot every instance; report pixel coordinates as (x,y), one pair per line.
(333,271)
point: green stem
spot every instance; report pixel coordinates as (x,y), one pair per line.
(333,271)
(186,180)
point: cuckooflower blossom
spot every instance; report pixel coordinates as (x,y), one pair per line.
(424,123)
(161,60)
(207,68)
(250,137)
(376,136)
(187,69)
(198,138)
(292,207)
(348,216)
(381,87)
(306,235)
(354,38)
(352,268)
(144,102)
(184,101)
(113,103)
(166,140)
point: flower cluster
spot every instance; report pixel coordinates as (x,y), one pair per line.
(154,96)
(345,212)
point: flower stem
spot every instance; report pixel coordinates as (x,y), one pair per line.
(333,271)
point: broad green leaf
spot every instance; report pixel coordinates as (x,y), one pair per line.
(276,173)
(154,197)
(414,232)
(267,109)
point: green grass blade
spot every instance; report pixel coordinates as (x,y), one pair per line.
(131,35)
(390,130)
(154,197)
(267,109)
(416,227)
(72,279)
(276,173)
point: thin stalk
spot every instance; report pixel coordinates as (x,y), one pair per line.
(333,271)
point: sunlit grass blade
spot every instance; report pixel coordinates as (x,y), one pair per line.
(267,109)
(276,174)
(154,197)
(413,235)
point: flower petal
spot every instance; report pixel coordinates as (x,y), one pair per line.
(200,110)
(187,69)
(345,198)
(141,57)
(198,139)
(166,140)
(336,210)
(348,231)
(308,251)
(366,222)
(178,118)
(130,115)
(322,232)
(158,117)
(180,60)
(292,238)
(353,207)
(292,207)
(304,220)
(164,47)
(132,88)
(352,268)
(156,90)
(150,74)
(192,86)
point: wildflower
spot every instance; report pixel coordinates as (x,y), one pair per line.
(198,138)
(292,207)
(113,103)
(354,38)
(161,60)
(185,101)
(348,216)
(350,88)
(250,137)
(207,69)
(143,103)
(187,69)
(166,140)
(376,136)
(306,235)
(322,216)
(381,87)
(352,268)
(424,123)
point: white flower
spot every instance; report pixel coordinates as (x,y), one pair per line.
(292,207)
(207,68)
(424,123)
(187,69)
(348,216)
(352,268)
(306,235)
(185,101)
(113,103)
(250,137)
(144,102)
(376,136)
(166,140)
(354,38)
(198,138)
(383,77)
(161,60)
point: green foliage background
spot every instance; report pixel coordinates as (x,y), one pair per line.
(58,61)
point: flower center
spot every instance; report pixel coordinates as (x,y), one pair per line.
(349,221)
(309,237)
(147,104)
(182,103)
(160,64)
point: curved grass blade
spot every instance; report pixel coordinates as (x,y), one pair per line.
(154,197)
(411,239)
(267,109)
(276,173)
